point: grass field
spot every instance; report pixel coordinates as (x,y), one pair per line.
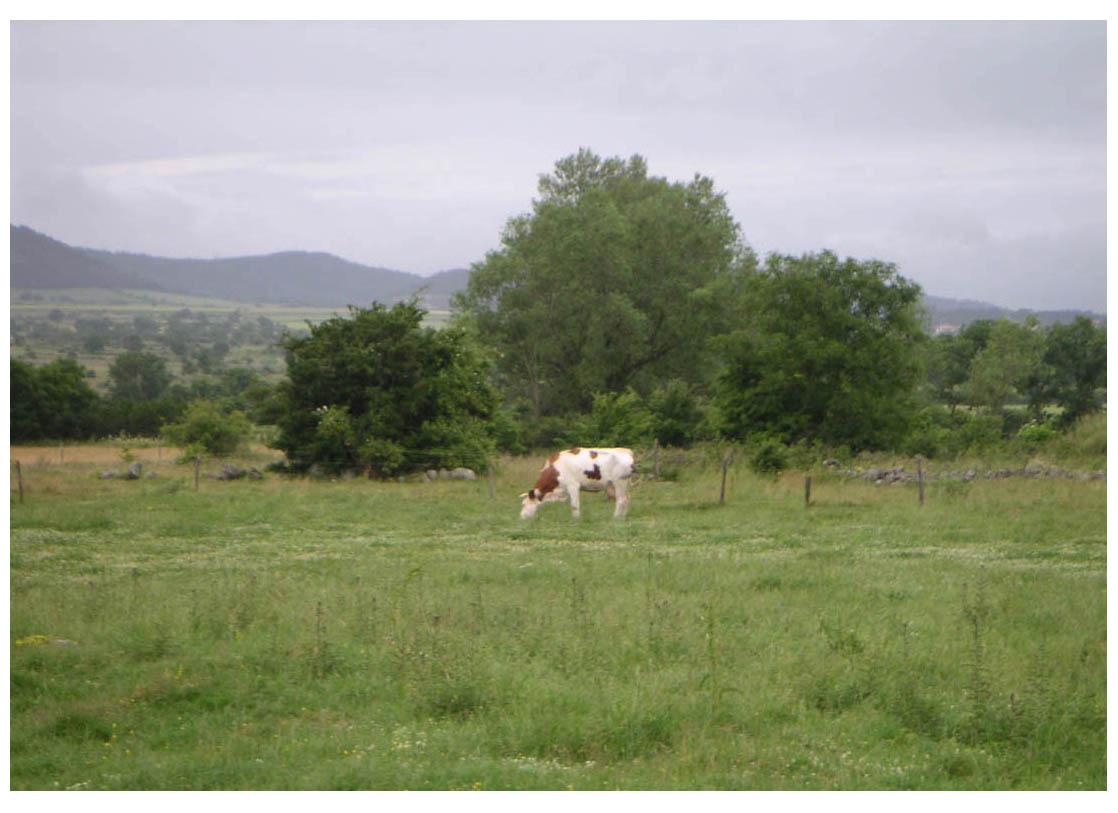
(289,634)
(61,310)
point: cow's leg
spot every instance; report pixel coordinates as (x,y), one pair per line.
(621,487)
(575,509)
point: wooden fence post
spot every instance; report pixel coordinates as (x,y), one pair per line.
(920,478)
(656,458)
(807,491)
(197,470)
(490,478)
(19,478)
(725,466)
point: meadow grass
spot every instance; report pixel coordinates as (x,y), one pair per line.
(290,634)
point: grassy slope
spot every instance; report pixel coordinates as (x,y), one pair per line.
(288,634)
(121,306)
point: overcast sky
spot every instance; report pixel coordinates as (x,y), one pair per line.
(971,154)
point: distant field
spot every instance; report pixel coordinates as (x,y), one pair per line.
(128,303)
(44,326)
(288,634)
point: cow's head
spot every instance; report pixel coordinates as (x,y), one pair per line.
(530,503)
(547,489)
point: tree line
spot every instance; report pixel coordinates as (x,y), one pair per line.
(625,308)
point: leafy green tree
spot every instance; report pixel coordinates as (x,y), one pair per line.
(69,405)
(949,357)
(615,280)
(1075,357)
(133,342)
(378,391)
(53,401)
(94,342)
(139,376)
(1009,364)
(829,350)
(140,418)
(24,400)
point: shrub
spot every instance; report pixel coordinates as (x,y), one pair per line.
(615,419)
(978,433)
(676,414)
(768,457)
(1033,435)
(930,435)
(378,390)
(206,427)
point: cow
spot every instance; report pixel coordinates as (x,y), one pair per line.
(568,472)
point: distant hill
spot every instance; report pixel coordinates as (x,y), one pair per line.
(949,315)
(292,277)
(323,280)
(37,261)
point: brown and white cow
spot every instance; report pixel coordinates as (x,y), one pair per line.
(568,472)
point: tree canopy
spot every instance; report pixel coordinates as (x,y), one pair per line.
(616,280)
(1075,367)
(53,401)
(828,351)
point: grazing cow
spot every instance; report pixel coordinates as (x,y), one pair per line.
(567,473)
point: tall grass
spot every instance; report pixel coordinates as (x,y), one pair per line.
(286,634)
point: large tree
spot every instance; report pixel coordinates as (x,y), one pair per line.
(1075,360)
(949,357)
(139,376)
(1010,364)
(377,391)
(53,401)
(615,280)
(828,351)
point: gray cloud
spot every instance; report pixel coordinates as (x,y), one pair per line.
(971,154)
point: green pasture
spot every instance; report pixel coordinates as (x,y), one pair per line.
(295,634)
(63,308)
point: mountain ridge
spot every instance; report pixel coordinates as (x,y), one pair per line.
(312,278)
(320,279)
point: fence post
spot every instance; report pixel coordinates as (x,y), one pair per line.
(656,458)
(807,491)
(920,478)
(197,470)
(61,456)
(725,466)
(490,478)
(19,478)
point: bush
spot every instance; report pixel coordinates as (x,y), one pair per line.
(978,433)
(768,457)
(676,414)
(615,419)
(379,391)
(1084,443)
(930,435)
(1033,435)
(207,428)
(382,457)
